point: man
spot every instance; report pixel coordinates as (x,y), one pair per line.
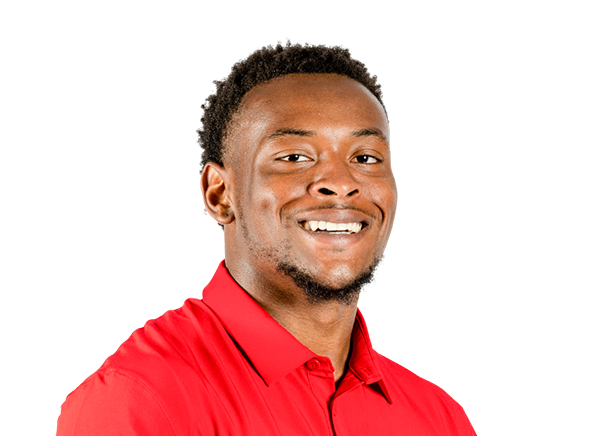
(297,171)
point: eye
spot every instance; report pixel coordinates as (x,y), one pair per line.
(295,158)
(366,159)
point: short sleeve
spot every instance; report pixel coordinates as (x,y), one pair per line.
(115,404)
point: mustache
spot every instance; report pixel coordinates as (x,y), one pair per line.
(337,206)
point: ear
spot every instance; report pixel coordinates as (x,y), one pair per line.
(214,182)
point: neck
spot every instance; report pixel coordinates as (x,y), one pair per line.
(324,328)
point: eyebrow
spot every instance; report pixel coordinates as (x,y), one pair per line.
(288,131)
(370,132)
(300,132)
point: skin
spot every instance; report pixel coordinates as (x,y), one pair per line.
(304,147)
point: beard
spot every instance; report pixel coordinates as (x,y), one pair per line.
(314,288)
(318,292)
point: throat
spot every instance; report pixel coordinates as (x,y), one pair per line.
(325,329)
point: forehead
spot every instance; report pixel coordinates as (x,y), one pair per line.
(306,93)
(324,103)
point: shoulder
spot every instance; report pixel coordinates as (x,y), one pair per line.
(412,391)
(136,386)
(163,341)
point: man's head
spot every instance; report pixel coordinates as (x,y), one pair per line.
(301,179)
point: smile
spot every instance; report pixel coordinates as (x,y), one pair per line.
(337,228)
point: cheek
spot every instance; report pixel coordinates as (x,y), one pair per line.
(392,196)
(265,205)
(390,182)
(384,194)
(275,193)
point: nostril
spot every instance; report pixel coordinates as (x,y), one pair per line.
(326,191)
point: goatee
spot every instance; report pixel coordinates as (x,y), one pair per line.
(318,292)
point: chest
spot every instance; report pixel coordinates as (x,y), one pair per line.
(303,402)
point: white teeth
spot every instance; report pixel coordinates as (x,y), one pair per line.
(313,226)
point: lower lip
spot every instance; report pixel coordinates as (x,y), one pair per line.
(336,238)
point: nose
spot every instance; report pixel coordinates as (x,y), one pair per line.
(334,179)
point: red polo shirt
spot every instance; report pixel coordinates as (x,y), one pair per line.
(223,366)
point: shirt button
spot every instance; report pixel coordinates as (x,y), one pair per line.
(313,364)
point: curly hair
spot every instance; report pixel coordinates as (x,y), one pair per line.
(266,64)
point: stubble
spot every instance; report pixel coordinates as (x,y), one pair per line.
(315,288)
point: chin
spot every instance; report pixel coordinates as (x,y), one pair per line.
(342,285)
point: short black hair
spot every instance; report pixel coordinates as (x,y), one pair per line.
(266,64)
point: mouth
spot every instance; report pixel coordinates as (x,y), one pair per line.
(350,228)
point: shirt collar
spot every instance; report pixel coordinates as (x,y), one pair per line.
(364,362)
(271,349)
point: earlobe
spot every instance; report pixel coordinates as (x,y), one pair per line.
(214,182)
